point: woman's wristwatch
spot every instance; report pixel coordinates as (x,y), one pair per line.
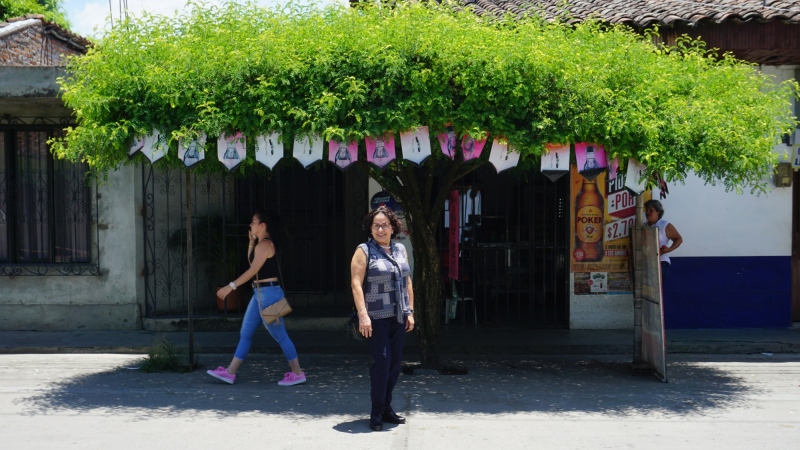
(232,285)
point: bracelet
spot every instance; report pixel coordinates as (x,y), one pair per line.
(359,309)
(232,285)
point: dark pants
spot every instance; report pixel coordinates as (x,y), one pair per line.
(664,270)
(386,346)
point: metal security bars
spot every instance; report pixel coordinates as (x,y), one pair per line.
(47,226)
(514,249)
(315,261)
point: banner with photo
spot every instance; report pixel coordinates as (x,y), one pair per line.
(591,159)
(471,148)
(416,145)
(269,149)
(602,218)
(342,154)
(380,149)
(231,150)
(192,151)
(447,142)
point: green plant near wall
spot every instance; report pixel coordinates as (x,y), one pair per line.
(164,356)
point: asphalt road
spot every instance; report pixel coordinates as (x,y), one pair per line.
(98,401)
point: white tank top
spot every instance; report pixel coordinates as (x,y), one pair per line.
(662,236)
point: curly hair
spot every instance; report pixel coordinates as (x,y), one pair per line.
(386,211)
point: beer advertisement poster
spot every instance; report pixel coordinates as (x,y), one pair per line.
(602,219)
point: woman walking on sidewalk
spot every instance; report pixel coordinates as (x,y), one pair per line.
(263,261)
(384,300)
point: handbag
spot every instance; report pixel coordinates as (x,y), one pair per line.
(271,313)
(352,328)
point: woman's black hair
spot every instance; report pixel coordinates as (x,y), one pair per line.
(275,228)
(397,228)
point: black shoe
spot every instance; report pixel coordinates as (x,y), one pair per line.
(392,417)
(375,423)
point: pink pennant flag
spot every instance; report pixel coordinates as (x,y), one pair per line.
(342,154)
(447,141)
(472,148)
(380,150)
(591,159)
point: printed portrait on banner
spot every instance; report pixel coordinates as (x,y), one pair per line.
(342,154)
(192,151)
(231,149)
(380,149)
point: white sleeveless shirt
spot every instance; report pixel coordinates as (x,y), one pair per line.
(662,236)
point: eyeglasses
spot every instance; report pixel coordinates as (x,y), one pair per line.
(385,226)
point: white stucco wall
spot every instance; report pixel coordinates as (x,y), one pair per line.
(712,222)
(105,302)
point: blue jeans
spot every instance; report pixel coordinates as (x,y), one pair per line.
(252,320)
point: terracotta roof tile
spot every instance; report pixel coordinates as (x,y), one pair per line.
(644,13)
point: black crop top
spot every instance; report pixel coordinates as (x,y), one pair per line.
(270,267)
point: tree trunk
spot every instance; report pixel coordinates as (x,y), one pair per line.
(427,293)
(422,191)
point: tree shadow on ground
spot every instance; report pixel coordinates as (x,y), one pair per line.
(339,386)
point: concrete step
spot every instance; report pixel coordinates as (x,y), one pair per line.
(293,323)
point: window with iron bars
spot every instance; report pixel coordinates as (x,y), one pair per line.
(46,224)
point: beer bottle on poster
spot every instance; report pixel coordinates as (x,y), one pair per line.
(589,212)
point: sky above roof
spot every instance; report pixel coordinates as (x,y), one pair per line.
(91,18)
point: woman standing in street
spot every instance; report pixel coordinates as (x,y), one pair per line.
(268,290)
(384,300)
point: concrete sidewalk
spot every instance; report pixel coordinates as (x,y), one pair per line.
(455,340)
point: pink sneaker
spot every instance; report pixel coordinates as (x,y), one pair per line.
(290,379)
(221,373)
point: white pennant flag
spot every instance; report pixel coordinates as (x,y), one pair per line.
(192,151)
(502,157)
(307,151)
(555,162)
(416,145)
(231,150)
(155,146)
(269,149)
(136,145)
(634,177)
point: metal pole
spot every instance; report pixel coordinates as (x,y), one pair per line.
(638,260)
(189,264)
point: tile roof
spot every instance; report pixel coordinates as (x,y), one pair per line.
(645,13)
(14,24)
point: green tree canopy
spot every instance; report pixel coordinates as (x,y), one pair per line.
(50,9)
(347,73)
(352,72)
